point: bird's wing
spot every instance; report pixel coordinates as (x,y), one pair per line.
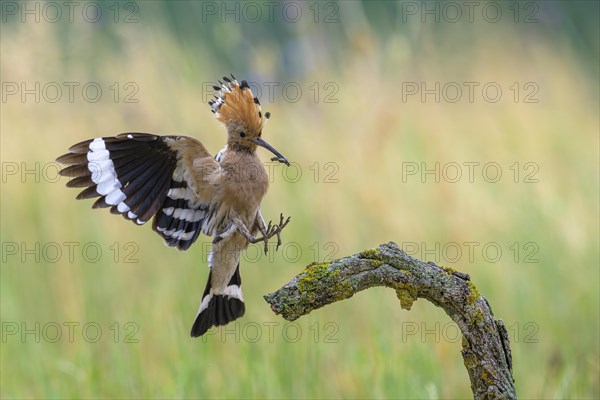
(139,175)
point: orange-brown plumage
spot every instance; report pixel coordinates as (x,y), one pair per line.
(239,110)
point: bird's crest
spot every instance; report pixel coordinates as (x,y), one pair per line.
(235,105)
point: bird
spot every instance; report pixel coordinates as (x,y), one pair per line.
(187,191)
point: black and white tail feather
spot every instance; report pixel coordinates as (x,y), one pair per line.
(139,175)
(219,309)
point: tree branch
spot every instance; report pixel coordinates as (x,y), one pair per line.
(485,344)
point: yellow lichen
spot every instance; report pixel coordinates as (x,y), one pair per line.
(313,273)
(487,378)
(318,276)
(478,315)
(373,254)
(473,294)
(448,269)
(407,294)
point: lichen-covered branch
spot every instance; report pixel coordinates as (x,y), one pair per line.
(485,343)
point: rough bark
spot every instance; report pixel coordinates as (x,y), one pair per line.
(485,341)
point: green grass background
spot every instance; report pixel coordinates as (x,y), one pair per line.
(352,349)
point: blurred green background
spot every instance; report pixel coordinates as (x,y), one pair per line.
(95,307)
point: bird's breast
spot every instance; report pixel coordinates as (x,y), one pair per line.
(245,184)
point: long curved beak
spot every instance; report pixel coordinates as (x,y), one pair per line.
(260,142)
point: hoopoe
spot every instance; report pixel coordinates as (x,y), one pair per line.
(176,180)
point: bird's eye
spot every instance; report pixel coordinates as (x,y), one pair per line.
(243,134)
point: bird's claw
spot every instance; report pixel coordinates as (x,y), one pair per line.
(270,231)
(278,228)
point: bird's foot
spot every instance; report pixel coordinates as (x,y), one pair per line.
(269,231)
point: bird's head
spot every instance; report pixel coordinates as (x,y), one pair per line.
(236,107)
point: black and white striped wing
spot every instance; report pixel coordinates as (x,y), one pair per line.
(183,216)
(140,175)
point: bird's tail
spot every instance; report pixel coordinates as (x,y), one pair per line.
(219,309)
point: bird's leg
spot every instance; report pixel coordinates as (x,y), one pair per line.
(239,224)
(225,234)
(259,222)
(243,229)
(267,231)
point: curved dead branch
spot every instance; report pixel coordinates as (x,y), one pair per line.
(485,344)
